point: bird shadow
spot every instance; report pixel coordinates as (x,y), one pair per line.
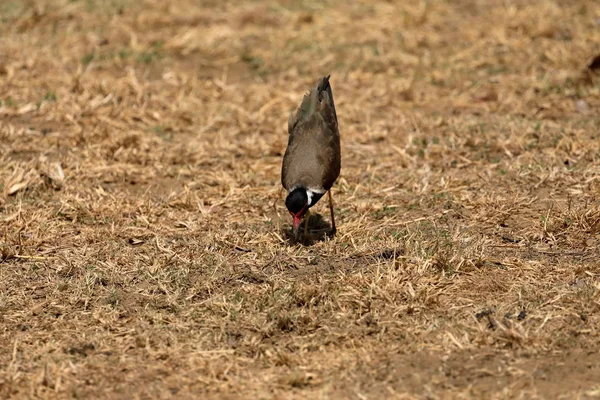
(319,230)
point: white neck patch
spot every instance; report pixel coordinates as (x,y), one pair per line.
(311,192)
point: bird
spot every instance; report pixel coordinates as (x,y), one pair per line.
(312,160)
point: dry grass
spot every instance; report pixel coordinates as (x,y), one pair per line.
(142,232)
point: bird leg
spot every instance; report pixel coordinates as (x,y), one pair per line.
(306,219)
(333,230)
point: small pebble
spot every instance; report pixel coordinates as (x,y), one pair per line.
(582,106)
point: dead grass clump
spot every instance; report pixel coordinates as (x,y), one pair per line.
(143,237)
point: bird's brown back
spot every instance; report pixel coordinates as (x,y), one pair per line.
(312,158)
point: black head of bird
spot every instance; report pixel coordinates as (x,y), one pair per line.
(297,205)
(312,163)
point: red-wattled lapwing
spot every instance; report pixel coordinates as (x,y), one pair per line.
(312,161)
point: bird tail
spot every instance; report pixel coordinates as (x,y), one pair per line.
(311,101)
(324,86)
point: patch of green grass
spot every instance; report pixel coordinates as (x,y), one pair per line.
(50,96)
(113,299)
(497,70)
(253,62)
(478,128)
(420,142)
(163,132)
(385,212)
(146,57)
(109,6)
(151,55)
(123,54)
(88,58)
(10,10)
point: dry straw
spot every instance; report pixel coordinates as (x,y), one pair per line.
(143,237)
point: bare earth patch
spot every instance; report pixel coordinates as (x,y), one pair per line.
(143,249)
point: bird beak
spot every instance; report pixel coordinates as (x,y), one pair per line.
(296,229)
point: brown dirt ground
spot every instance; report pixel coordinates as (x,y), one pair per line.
(143,236)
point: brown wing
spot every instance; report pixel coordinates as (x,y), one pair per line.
(331,142)
(312,158)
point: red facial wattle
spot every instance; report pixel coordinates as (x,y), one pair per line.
(297,221)
(298,217)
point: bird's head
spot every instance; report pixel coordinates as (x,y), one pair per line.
(297,203)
